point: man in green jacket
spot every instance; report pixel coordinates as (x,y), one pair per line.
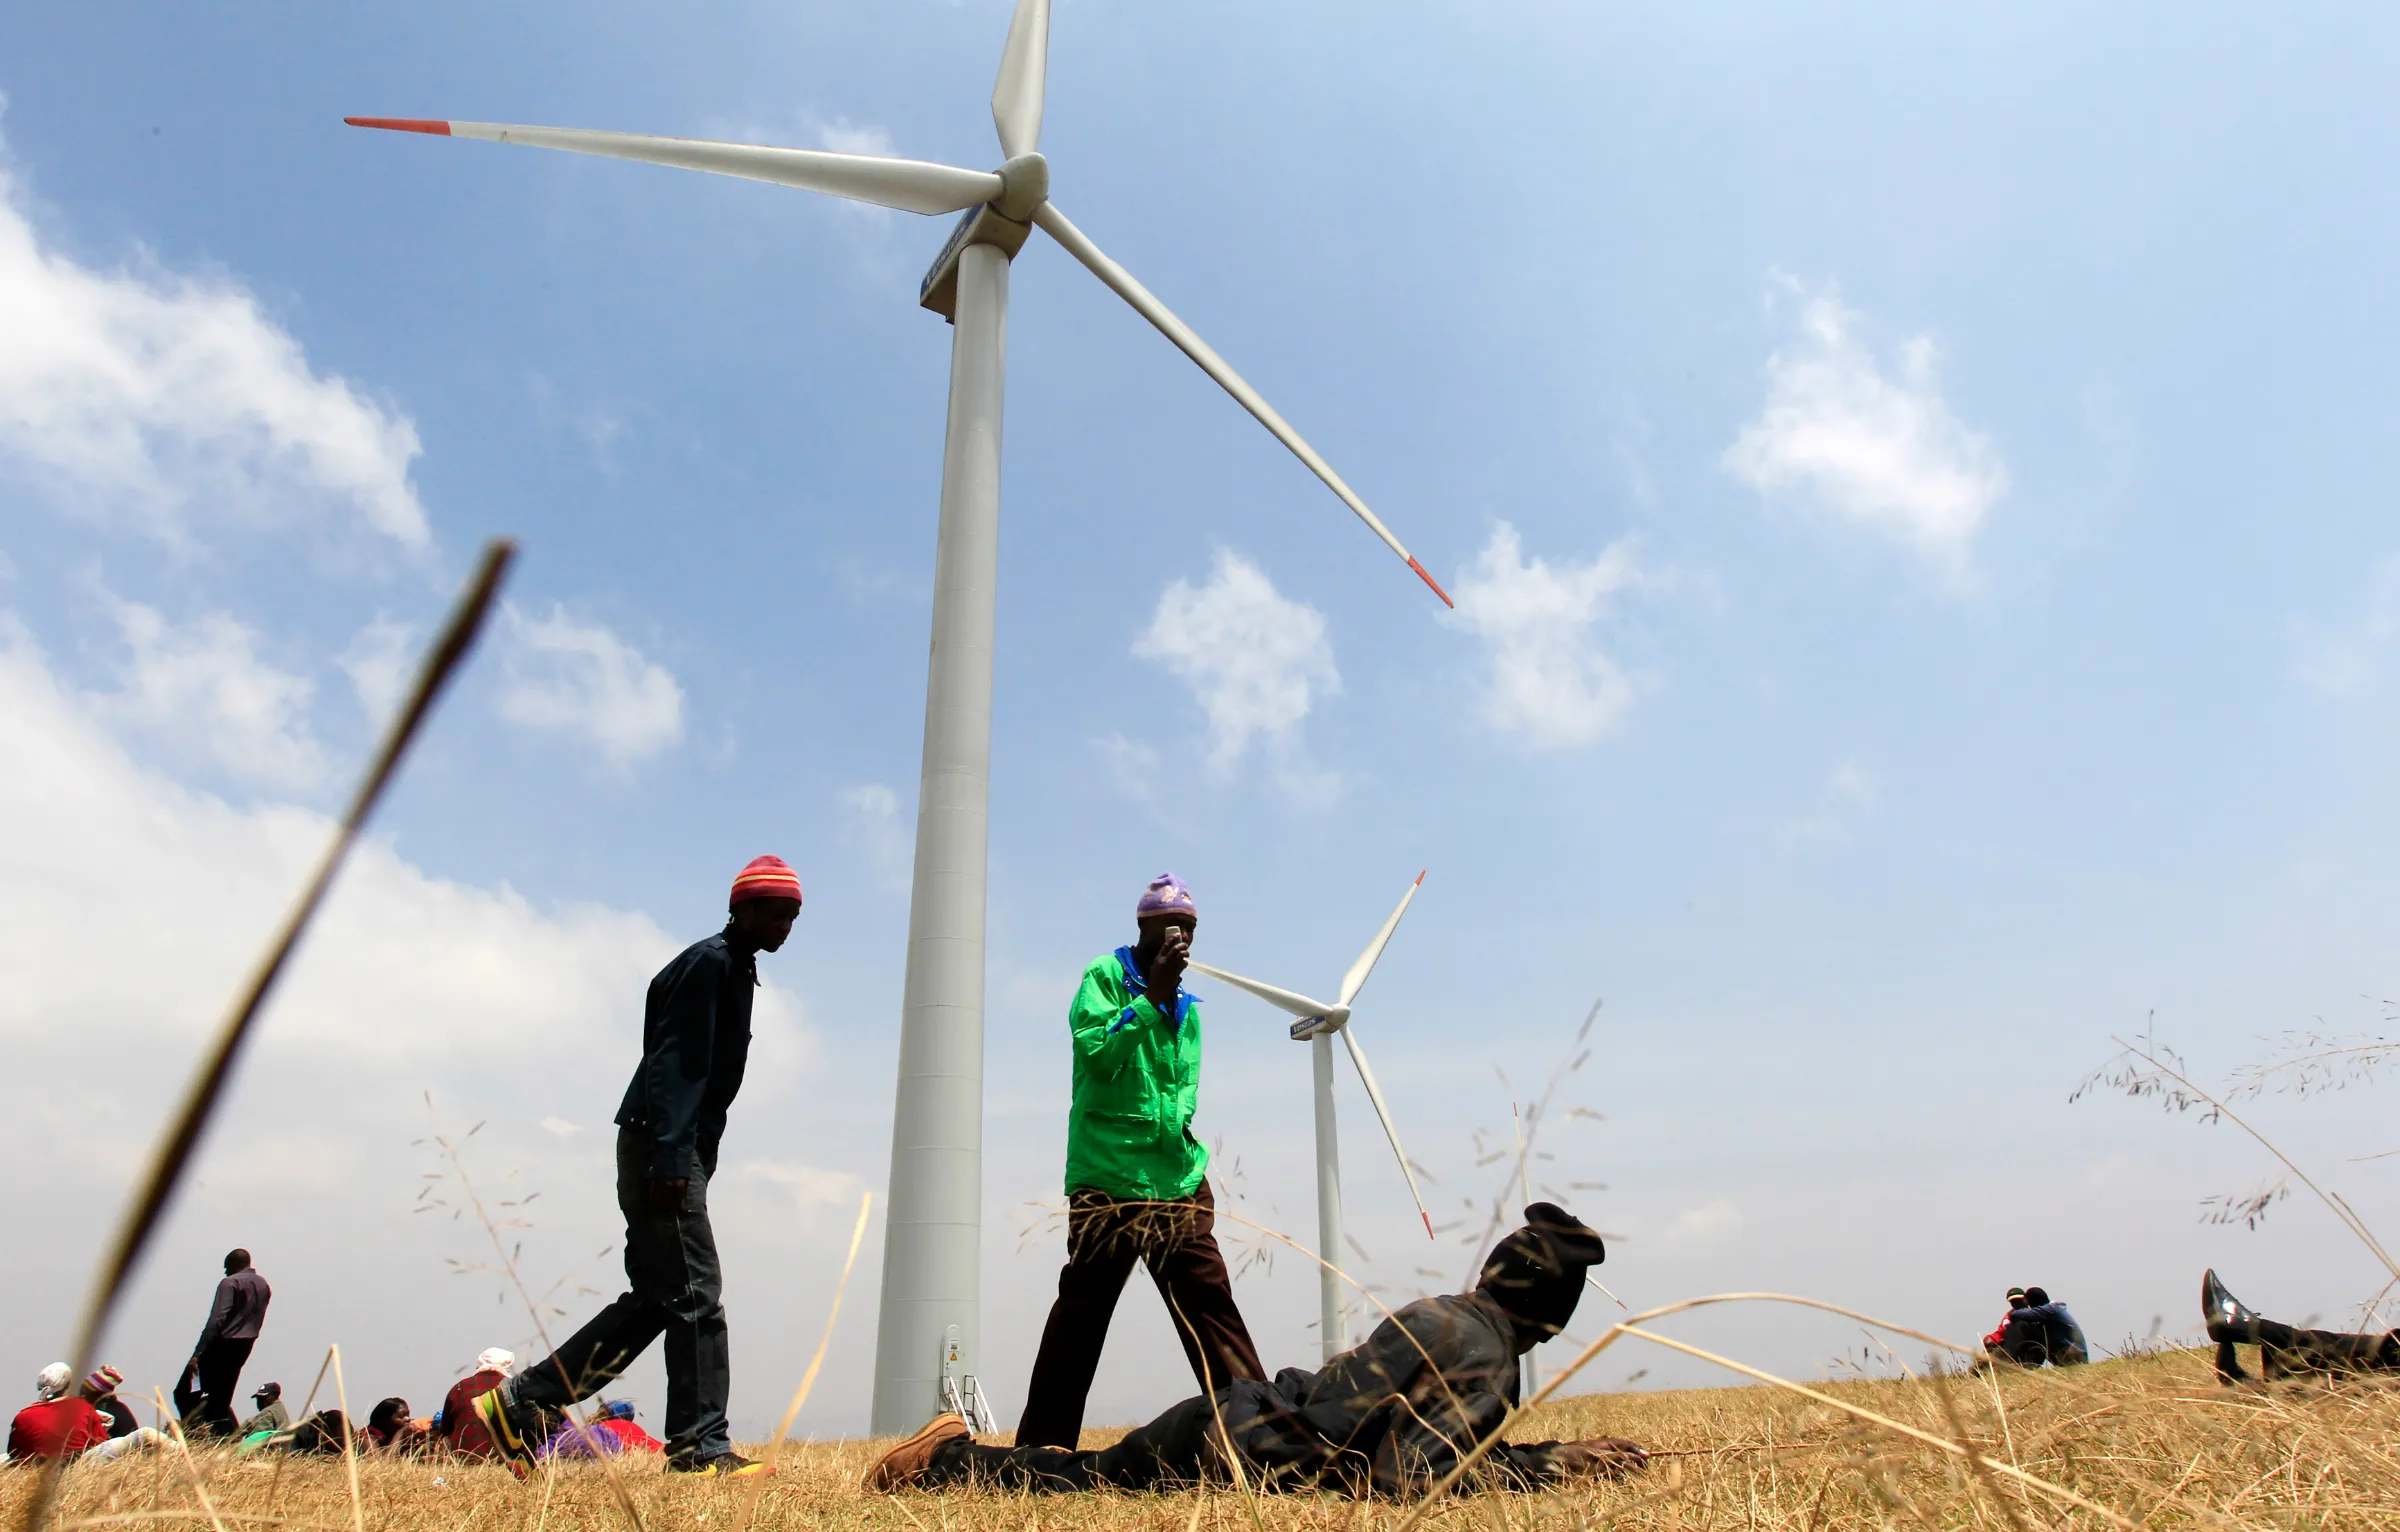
(1136,1183)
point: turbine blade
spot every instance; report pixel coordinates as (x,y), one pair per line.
(912,186)
(1383,1114)
(1174,329)
(1024,64)
(1356,979)
(1282,999)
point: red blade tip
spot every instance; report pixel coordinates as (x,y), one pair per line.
(1420,880)
(1429,580)
(1428,1217)
(442,130)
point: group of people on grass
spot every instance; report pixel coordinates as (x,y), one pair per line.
(89,1422)
(1422,1401)
(2037,1332)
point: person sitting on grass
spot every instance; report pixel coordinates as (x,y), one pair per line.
(1994,1343)
(612,1431)
(456,1423)
(125,1434)
(2043,1331)
(390,1428)
(272,1413)
(2284,1351)
(58,1424)
(1390,1417)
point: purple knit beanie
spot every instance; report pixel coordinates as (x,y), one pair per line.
(1166,895)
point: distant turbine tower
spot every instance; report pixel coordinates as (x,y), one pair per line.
(925,1344)
(1316,1026)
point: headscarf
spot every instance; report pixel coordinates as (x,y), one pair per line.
(497,1360)
(1537,1272)
(52,1381)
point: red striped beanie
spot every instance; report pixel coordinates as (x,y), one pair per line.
(767,877)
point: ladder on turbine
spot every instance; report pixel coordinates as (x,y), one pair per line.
(960,1391)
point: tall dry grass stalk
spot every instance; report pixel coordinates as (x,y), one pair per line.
(181,1139)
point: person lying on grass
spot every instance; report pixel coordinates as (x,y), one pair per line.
(1390,1417)
(2284,1351)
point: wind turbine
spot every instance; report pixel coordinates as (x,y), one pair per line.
(1317,1024)
(925,1342)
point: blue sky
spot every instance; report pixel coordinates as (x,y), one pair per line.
(1917,489)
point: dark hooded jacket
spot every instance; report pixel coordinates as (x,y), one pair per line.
(1395,1414)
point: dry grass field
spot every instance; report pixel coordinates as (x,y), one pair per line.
(2156,1441)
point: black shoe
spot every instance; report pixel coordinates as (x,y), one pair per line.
(724,1465)
(2229,1319)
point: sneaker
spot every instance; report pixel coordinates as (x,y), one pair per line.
(514,1429)
(906,1464)
(2229,1319)
(724,1465)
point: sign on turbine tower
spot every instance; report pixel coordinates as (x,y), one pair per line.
(926,1333)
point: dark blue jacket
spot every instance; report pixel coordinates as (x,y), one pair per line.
(2052,1328)
(695,1044)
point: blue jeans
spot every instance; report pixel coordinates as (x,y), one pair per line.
(676,1290)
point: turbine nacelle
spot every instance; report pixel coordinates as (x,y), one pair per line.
(1310,1028)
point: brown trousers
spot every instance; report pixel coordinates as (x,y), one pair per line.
(1105,1237)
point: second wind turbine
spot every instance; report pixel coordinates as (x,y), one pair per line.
(1317,1024)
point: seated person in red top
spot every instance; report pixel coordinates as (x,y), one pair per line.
(389,1429)
(457,1424)
(612,1432)
(58,1424)
(1996,1343)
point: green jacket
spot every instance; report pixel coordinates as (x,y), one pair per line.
(1137,1083)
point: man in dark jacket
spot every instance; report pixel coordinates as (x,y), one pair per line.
(1390,1417)
(212,1379)
(695,1043)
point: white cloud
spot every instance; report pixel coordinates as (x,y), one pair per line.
(152,396)
(377,663)
(579,678)
(843,136)
(559,1127)
(1133,763)
(1550,683)
(1711,1224)
(131,907)
(1256,661)
(872,827)
(2346,659)
(400,965)
(1848,794)
(202,688)
(1883,449)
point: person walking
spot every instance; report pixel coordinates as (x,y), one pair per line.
(1137,1187)
(695,1045)
(212,1379)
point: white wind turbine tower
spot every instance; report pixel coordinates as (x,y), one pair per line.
(1317,1025)
(926,1337)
